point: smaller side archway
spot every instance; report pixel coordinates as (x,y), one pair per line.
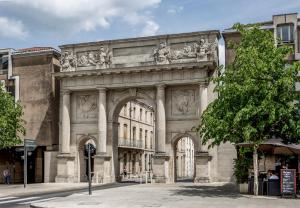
(184,147)
(82,156)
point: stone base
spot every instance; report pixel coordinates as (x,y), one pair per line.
(64,179)
(102,169)
(201,180)
(160,168)
(202,167)
(65,169)
(50,166)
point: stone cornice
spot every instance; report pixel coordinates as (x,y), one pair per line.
(210,65)
(138,39)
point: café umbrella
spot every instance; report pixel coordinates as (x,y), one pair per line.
(275,146)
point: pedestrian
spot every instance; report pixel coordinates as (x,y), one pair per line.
(6,176)
(125,172)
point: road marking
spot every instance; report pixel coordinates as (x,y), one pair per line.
(18,200)
(40,200)
(8,197)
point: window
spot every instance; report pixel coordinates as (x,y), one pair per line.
(151,118)
(134,133)
(141,133)
(285,33)
(125,131)
(125,110)
(3,64)
(151,139)
(141,114)
(146,115)
(146,139)
(134,116)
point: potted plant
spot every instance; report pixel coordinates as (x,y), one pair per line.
(241,168)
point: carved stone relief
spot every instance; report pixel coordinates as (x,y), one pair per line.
(102,59)
(68,61)
(183,102)
(201,50)
(87,106)
(162,54)
(193,51)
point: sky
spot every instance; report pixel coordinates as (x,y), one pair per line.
(28,23)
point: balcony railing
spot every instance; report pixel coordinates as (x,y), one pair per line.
(130,143)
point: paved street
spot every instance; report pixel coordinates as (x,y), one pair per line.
(24,201)
(172,195)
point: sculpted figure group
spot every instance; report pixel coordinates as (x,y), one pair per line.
(101,59)
(200,50)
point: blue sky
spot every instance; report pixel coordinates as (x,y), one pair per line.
(27,23)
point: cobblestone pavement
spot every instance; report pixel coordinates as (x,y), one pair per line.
(179,195)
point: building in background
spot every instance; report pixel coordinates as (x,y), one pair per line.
(27,75)
(286,29)
(136,138)
(185,158)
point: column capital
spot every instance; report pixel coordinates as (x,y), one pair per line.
(65,92)
(161,86)
(203,83)
(101,89)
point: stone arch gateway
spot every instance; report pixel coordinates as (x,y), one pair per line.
(172,72)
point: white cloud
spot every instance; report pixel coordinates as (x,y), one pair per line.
(151,28)
(12,28)
(85,15)
(175,10)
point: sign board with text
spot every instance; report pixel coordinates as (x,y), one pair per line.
(288,182)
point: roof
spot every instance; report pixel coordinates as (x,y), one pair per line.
(35,51)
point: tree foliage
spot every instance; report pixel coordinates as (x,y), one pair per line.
(11,123)
(256,94)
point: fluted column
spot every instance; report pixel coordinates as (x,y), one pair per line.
(65,122)
(102,122)
(160,119)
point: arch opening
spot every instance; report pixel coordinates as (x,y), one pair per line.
(184,163)
(133,138)
(83,157)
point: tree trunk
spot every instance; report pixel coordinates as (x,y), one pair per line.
(255,169)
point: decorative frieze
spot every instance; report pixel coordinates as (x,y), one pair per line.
(201,50)
(134,54)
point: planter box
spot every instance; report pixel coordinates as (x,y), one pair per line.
(243,188)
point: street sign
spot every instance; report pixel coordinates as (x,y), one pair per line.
(30,144)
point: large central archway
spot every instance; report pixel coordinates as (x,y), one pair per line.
(131,154)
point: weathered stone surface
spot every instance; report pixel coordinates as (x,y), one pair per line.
(171,73)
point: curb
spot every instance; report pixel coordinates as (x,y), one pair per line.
(52,191)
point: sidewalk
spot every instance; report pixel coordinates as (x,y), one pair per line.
(167,196)
(40,188)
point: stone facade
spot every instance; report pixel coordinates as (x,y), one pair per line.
(170,72)
(29,79)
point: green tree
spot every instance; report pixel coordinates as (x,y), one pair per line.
(256,95)
(11,123)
